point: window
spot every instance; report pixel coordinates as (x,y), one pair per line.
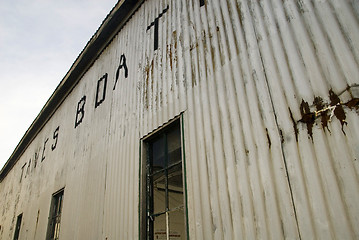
(53,230)
(164,211)
(18,226)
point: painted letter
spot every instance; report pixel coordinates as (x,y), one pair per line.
(122,65)
(55,137)
(43,150)
(22,171)
(103,88)
(155,24)
(28,167)
(35,159)
(80,110)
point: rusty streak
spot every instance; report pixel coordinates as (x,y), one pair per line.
(307,117)
(318,102)
(338,111)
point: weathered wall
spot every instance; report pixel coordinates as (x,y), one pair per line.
(269,95)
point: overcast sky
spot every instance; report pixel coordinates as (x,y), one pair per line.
(39,41)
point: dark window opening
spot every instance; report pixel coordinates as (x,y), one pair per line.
(165,208)
(18,226)
(55,216)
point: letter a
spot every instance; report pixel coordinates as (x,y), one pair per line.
(122,65)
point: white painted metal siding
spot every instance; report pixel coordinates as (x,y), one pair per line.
(269,92)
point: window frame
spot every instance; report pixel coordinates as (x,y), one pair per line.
(18,226)
(143,180)
(55,213)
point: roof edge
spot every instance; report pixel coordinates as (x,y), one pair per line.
(112,24)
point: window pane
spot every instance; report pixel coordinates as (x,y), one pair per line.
(174,146)
(158,154)
(159,227)
(57,228)
(18,226)
(165,189)
(175,187)
(55,216)
(59,205)
(177,225)
(159,193)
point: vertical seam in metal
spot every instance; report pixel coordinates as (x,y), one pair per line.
(278,131)
(104,199)
(281,143)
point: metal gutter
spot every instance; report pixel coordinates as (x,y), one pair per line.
(112,24)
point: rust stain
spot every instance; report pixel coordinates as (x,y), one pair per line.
(169,54)
(319,104)
(307,117)
(338,111)
(172,48)
(174,37)
(193,46)
(148,70)
(194,81)
(202,38)
(326,111)
(353,104)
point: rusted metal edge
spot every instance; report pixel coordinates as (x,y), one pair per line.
(112,24)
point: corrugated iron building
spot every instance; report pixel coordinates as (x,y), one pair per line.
(198,119)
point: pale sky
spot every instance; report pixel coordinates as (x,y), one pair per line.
(39,41)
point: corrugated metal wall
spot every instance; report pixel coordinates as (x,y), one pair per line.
(237,184)
(269,92)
